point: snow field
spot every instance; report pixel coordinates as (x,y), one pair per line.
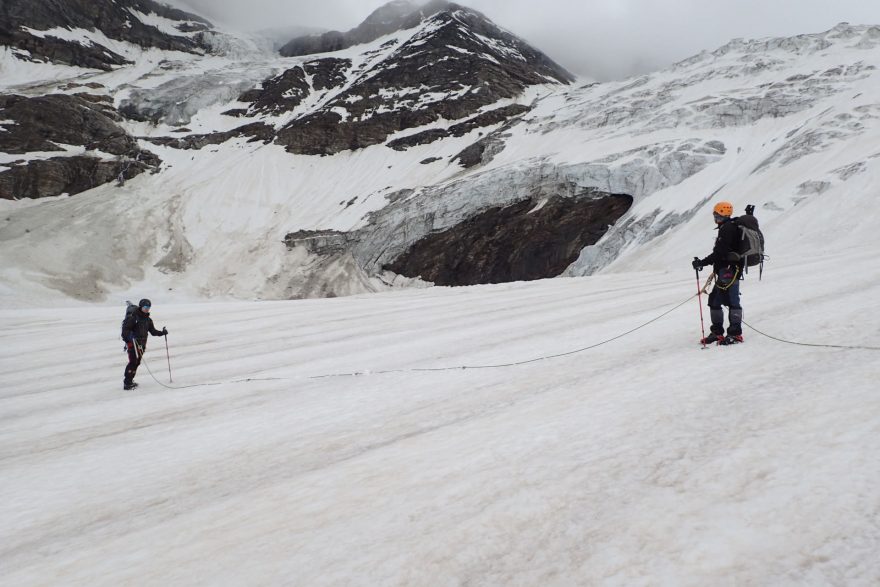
(643,461)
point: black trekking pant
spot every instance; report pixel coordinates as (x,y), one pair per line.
(726,297)
(134,361)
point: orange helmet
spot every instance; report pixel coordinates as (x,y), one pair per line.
(723,209)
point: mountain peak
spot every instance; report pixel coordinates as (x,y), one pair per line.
(391,12)
(414,67)
(392,17)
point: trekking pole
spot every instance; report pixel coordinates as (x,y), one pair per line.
(168,356)
(700,302)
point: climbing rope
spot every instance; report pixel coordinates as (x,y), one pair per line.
(433,369)
(827,346)
(175,387)
(498,365)
(514,364)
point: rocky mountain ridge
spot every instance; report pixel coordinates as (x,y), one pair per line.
(377,165)
(319,106)
(39,29)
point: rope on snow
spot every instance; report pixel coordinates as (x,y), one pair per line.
(502,365)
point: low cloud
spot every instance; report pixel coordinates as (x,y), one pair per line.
(602,39)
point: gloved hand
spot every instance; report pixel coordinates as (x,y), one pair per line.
(129,345)
(697,264)
(164,331)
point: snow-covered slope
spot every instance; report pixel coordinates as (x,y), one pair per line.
(340,441)
(450,73)
(643,461)
(240,207)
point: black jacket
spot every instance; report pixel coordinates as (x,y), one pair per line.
(136,326)
(724,253)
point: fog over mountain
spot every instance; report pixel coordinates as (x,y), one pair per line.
(603,39)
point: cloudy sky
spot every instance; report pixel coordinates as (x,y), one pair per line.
(604,39)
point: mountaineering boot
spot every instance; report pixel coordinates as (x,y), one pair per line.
(712,338)
(736,318)
(129,386)
(732,339)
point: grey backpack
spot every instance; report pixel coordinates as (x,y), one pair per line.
(750,247)
(129,310)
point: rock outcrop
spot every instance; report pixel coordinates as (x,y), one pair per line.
(256,131)
(523,241)
(456,65)
(65,175)
(45,122)
(93,149)
(22,23)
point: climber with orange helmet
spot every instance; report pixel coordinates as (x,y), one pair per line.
(728,271)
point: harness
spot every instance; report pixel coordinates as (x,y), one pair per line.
(731,282)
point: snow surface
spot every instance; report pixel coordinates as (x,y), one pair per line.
(164,25)
(15,72)
(338,441)
(644,461)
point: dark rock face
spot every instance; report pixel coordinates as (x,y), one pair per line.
(422,138)
(328,73)
(256,131)
(112,17)
(481,152)
(460,64)
(489,118)
(520,242)
(471,156)
(286,91)
(44,123)
(279,94)
(60,175)
(325,133)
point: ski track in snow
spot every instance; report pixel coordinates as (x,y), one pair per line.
(643,461)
